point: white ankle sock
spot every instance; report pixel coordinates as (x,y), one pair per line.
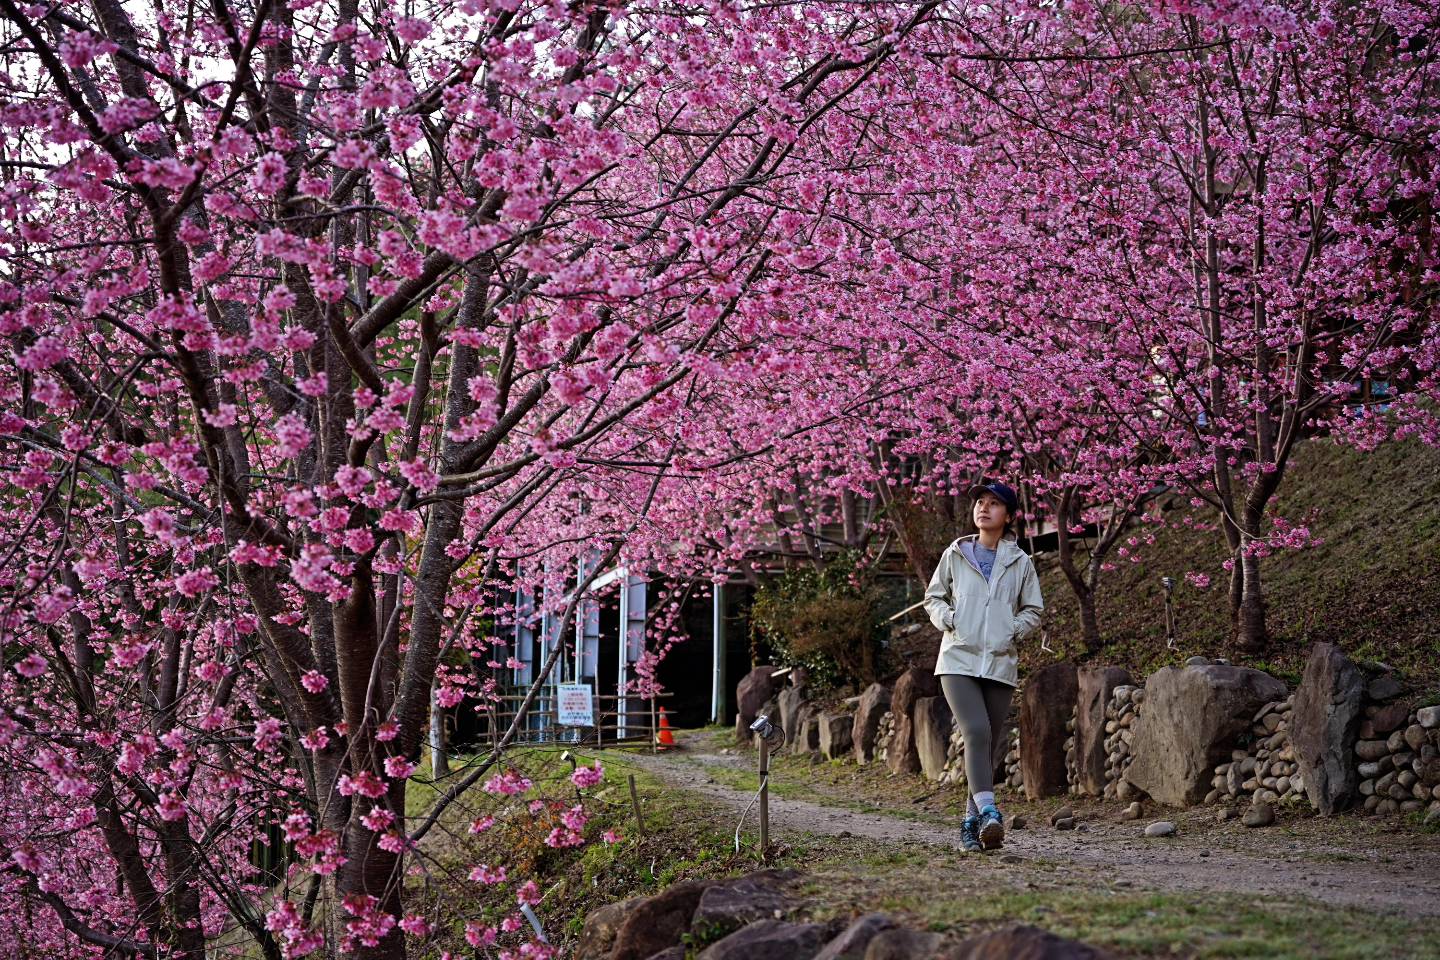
(985,799)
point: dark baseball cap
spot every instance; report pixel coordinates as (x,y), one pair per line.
(1001,491)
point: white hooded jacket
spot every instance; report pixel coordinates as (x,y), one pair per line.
(981,620)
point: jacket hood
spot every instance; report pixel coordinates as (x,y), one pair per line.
(1007,552)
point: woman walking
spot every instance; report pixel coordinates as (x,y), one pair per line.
(984,597)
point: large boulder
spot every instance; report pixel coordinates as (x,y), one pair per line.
(1383,687)
(730,904)
(1045,708)
(1388,718)
(751,694)
(1094,685)
(1191,718)
(791,701)
(835,735)
(933,725)
(904,943)
(659,921)
(1022,943)
(874,702)
(914,683)
(770,940)
(1324,725)
(597,936)
(808,739)
(853,941)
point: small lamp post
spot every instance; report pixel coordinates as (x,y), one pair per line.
(770,734)
(1169,584)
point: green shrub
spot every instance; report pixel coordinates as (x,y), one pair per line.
(825,619)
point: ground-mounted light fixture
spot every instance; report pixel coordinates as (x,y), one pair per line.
(770,734)
(1169,584)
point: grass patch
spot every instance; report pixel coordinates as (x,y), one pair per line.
(966,896)
(681,840)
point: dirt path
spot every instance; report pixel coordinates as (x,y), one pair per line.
(1396,872)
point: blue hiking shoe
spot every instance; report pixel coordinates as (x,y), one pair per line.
(970,835)
(992,828)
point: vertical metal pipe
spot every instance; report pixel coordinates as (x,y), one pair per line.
(620,678)
(580,638)
(718,706)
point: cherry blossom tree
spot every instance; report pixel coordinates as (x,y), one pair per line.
(1225,212)
(325,322)
(330,325)
(1288,155)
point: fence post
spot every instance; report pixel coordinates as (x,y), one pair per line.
(635,800)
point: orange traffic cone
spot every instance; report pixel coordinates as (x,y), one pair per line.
(664,738)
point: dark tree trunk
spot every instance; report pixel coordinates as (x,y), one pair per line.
(1250,634)
(1082,584)
(369,871)
(1237,588)
(1089,622)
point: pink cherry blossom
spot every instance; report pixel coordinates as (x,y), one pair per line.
(469,299)
(32,666)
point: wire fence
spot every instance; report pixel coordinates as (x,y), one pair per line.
(619,721)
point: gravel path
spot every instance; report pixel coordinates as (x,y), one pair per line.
(1311,858)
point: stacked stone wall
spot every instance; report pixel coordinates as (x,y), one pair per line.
(1072,765)
(1265,770)
(954,772)
(1120,714)
(1395,751)
(1401,772)
(883,736)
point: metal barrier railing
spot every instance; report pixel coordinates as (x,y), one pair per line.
(637,725)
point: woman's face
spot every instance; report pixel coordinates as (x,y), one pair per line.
(990,513)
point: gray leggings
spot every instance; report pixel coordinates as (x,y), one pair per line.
(981,706)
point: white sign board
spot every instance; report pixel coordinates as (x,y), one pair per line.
(575,706)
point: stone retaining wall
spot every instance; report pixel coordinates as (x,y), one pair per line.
(953,772)
(1072,766)
(1266,770)
(1401,773)
(883,736)
(1120,714)
(1389,745)
(1013,777)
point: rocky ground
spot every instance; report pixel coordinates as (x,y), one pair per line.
(1351,862)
